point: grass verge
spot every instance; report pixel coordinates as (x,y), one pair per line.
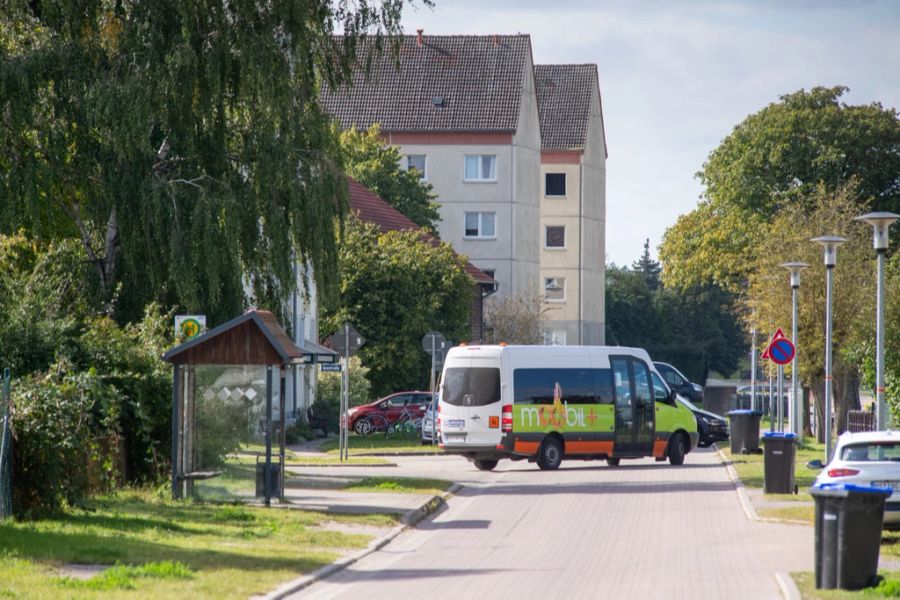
(889,587)
(400,485)
(750,469)
(392,444)
(166,549)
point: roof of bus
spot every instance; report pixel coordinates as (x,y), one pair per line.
(494,350)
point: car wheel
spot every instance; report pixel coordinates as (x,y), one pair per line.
(612,461)
(676,450)
(485,465)
(359,426)
(550,454)
(365,426)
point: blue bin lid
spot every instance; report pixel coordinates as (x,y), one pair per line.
(744,411)
(779,435)
(851,488)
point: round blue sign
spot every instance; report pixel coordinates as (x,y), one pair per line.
(781,351)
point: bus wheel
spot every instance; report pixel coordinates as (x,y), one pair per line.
(676,450)
(550,454)
(486,465)
(613,462)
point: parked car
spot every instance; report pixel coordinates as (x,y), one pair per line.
(390,407)
(676,380)
(428,424)
(711,427)
(870,458)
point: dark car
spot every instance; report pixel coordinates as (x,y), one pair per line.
(391,408)
(711,427)
(676,380)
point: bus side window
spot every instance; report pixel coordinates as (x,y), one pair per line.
(603,386)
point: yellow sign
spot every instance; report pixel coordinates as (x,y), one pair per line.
(189,326)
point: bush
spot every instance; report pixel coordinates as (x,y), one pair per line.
(57,419)
(328,392)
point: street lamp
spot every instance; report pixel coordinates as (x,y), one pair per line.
(830,243)
(796,414)
(880,222)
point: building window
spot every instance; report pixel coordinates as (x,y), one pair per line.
(480,225)
(417,162)
(492,274)
(555,289)
(554,338)
(481,167)
(555,184)
(555,236)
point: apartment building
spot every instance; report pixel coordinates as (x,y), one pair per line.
(463,111)
(573,203)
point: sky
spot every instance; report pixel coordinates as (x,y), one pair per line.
(676,76)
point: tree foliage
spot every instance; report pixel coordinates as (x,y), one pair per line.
(377,166)
(773,159)
(514,320)
(648,267)
(181,141)
(395,287)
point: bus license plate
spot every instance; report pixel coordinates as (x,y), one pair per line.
(456,423)
(455,437)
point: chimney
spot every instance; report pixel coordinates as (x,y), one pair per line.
(419,36)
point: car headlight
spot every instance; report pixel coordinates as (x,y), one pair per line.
(708,421)
(697,388)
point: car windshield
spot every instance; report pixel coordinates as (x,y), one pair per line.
(871,451)
(687,403)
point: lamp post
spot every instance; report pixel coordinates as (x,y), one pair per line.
(796,414)
(880,222)
(830,243)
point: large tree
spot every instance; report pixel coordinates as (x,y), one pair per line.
(377,166)
(773,159)
(395,287)
(180,140)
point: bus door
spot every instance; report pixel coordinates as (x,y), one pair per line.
(635,408)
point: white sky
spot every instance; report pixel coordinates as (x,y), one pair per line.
(677,75)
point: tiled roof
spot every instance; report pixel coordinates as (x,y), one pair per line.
(564,104)
(372,209)
(449,83)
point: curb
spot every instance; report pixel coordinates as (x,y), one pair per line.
(746,505)
(301,465)
(789,589)
(408,520)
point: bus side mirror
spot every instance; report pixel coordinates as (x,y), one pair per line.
(672,396)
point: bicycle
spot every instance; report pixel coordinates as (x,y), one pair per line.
(407,423)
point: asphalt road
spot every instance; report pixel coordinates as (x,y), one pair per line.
(641,530)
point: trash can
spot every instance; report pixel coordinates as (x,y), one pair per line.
(848,534)
(744,426)
(778,474)
(274,478)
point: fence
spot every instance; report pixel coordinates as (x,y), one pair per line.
(5,451)
(860,420)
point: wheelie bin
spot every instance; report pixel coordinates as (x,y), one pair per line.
(849,519)
(778,462)
(744,427)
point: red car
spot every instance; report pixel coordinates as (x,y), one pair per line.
(391,408)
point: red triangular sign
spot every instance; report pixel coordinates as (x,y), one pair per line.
(765,354)
(779,334)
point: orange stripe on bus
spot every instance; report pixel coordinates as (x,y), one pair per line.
(526,447)
(659,448)
(575,447)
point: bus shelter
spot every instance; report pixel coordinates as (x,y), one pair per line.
(228,408)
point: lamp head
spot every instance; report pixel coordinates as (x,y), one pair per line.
(795,268)
(880,222)
(830,243)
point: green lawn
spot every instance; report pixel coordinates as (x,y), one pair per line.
(749,468)
(400,485)
(888,588)
(362,445)
(167,549)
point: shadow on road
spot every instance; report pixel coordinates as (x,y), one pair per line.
(458,524)
(394,574)
(600,487)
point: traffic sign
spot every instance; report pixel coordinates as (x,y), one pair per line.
(780,349)
(432,342)
(189,326)
(338,341)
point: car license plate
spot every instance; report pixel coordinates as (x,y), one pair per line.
(887,484)
(456,423)
(455,437)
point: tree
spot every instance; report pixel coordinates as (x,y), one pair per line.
(648,267)
(514,320)
(769,295)
(395,287)
(773,159)
(181,141)
(377,166)
(631,319)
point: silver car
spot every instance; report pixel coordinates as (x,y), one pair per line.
(869,458)
(428,424)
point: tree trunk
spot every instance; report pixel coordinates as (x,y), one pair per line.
(846,395)
(807,424)
(818,392)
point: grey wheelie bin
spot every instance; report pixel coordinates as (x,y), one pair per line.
(778,462)
(744,431)
(848,534)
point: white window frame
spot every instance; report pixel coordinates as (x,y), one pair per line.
(559,284)
(422,172)
(565,238)
(555,337)
(565,185)
(480,178)
(480,235)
